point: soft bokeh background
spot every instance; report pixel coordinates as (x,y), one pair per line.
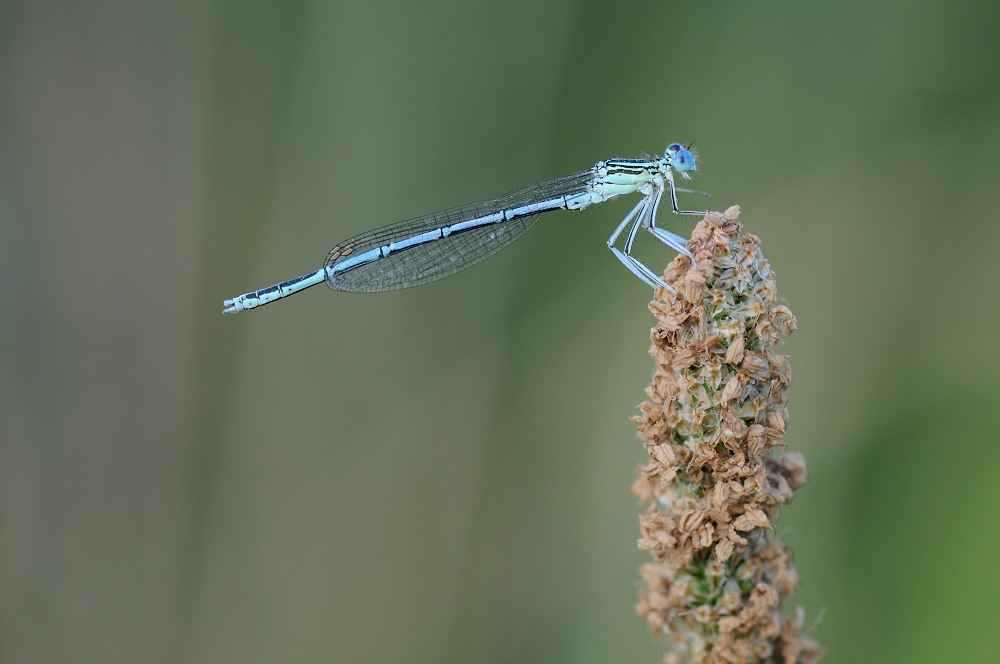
(441,474)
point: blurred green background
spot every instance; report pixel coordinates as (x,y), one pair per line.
(441,474)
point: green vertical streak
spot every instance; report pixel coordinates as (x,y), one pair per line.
(256,47)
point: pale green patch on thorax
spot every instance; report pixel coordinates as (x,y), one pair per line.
(625,176)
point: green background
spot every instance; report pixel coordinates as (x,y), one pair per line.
(441,474)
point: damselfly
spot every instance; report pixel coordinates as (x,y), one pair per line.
(438,245)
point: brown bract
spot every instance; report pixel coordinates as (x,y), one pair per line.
(713,426)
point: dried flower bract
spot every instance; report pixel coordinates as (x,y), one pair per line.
(713,425)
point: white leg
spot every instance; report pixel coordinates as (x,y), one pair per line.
(625,222)
(693,191)
(635,267)
(673,200)
(631,262)
(675,242)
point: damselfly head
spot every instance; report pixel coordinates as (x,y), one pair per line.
(681,159)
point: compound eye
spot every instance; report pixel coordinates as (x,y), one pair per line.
(683,161)
(672,149)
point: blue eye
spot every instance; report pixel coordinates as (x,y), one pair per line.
(683,160)
(672,149)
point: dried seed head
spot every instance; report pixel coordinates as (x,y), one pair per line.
(713,486)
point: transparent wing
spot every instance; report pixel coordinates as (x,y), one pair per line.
(446,256)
